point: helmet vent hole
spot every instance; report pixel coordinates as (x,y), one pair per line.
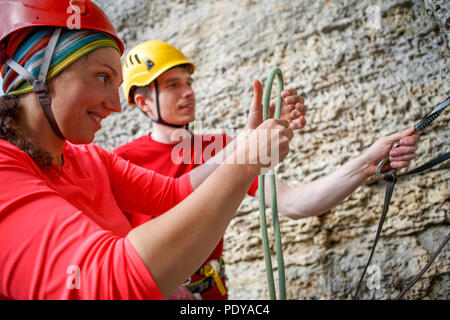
(137,58)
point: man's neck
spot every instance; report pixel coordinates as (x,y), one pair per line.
(167,135)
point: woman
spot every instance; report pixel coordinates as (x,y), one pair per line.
(62,231)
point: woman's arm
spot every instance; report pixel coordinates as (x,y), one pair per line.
(49,249)
(175,244)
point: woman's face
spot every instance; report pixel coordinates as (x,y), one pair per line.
(86,93)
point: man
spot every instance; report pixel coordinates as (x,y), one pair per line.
(158,79)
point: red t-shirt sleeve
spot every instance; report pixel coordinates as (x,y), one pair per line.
(252,190)
(137,189)
(51,250)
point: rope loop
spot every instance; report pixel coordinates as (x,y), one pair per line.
(262,203)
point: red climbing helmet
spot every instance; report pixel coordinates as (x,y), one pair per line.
(72,14)
(82,14)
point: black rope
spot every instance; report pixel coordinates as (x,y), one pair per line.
(388,195)
(391,178)
(428,165)
(421,273)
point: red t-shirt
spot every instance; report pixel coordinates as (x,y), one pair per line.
(62,230)
(175,160)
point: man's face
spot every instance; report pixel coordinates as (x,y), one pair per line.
(176,97)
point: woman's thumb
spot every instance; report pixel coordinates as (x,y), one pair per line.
(256,105)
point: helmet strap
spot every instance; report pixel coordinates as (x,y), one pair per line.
(40,86)
(160,120)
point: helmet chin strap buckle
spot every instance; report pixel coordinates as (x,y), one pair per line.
(41,90)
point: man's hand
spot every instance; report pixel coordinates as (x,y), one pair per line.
(399,157)
(293,109)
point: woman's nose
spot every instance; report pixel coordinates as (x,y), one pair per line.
(113,101)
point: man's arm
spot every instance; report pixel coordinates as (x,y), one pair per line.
(319,196)
(293,110)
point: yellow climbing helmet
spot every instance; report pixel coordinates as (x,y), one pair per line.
(146,62)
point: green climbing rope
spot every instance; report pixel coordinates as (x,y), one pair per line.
(262,205)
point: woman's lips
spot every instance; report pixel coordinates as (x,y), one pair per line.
(97,118)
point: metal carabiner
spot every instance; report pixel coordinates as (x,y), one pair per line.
(418,127)
(382,162)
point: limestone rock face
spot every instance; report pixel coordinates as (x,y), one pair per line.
(366,69)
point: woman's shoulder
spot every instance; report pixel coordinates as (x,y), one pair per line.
(89,152)
(10,152)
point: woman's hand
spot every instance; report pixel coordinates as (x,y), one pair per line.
(265,146)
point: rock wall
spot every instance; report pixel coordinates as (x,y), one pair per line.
(366,69)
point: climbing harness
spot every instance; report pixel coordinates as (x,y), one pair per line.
(391,177)
(212,272)
(262,203)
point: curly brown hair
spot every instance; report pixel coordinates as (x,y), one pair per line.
(9,131)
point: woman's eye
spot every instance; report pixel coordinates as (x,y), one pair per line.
(103,78)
